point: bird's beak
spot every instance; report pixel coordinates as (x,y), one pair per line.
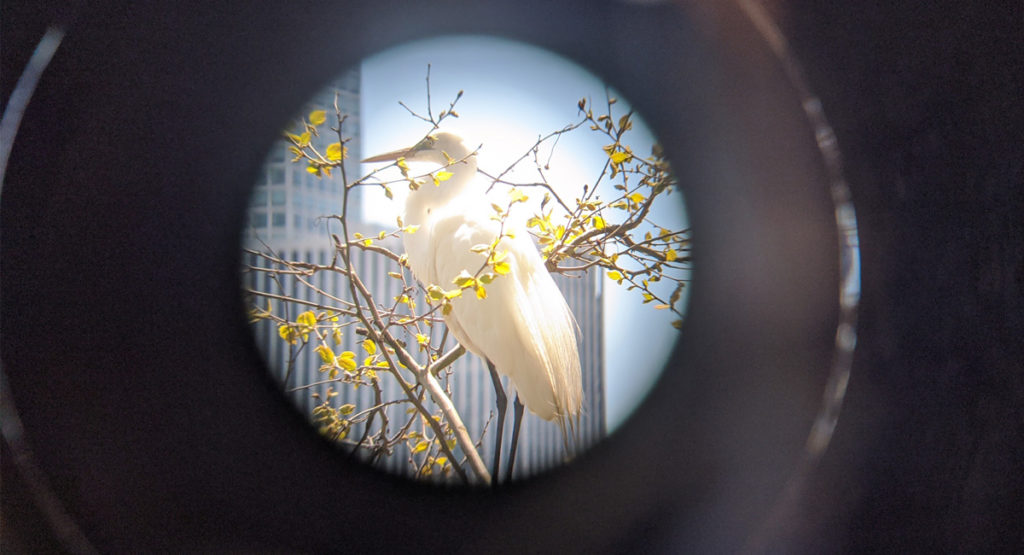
(390,156)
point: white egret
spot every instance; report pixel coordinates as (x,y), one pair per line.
(523,328)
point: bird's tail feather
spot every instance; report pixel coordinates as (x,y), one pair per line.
(570,427)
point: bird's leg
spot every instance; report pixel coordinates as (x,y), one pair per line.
(502,403)
(517,419)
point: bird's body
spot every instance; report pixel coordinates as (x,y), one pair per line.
(523,326)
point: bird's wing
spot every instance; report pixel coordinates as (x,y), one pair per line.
(523,326)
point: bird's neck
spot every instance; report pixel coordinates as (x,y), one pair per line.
(426,200)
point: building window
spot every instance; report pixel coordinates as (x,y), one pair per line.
(276,174)
(278,197)
(277,153)
(278,219)
(258,219)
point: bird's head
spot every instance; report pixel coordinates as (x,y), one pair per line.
(440,148)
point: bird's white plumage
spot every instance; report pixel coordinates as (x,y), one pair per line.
(523,326)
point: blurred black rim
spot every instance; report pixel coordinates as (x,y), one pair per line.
(824,424)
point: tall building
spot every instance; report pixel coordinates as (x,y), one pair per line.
(287,218)
(288,201)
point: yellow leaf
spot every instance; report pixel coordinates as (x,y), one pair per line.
(337,336)
(422,339)
(636,197)
(307,318)
(326,354)
(317,117)
(434,293)
(347,360)
(615,275)
(498,257)
(661,306)
(671,255)
(464,279)
(347,408)
(624,122)
(453,294)
(516,195)
(287,333)
(443,175)
(335,152)
(304,139)
(370,346)
(598,222)
(422,446)
(619,157)
(501,268)
(411,228)
(481,293)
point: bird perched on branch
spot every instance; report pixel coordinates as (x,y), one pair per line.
(521,325)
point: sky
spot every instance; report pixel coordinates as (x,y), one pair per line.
(513,93)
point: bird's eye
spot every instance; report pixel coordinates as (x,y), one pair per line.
(427,142)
